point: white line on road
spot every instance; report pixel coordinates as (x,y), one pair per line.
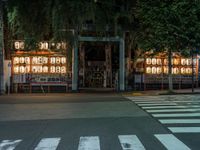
(177,115)
(171,142)
(185,129)
(48,144)
(174,110)
(9,144)
(89,143)
(161,107)
(158,104)
(175,121)
(130,142)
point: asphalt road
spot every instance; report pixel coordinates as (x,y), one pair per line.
(87,122)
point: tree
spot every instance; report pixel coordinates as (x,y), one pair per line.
(170,26)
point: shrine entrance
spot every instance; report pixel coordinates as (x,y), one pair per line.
(98,68)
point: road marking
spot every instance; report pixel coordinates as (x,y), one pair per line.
(9,144)
(177,115)
(48,144)
(89,143)
(174,110)
(130,142)
(161,107)
(158,104)
(185,129)
(175,121)
(171,142)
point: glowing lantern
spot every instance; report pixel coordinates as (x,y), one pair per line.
(45,60)
(63,69)
(63,60)
(148,70)
(189,61)
(53,69)
(34,69)
(27,60)
(16,69)
(159,70)
(183,70)
(57,60)
(57,69)
(148,61)
(16,60)
(188,70)
(34,60)
(153,61)
(27,69)
(154,70)
(16,44)
(43,45)
(175,71)
(175,61)
(21,60)
(53,60)
(21,69)
(158,61)
(165,62)
(183,62)
(166,70)
(45,69)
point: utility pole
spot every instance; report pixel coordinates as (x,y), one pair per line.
(2,87)
(192,70)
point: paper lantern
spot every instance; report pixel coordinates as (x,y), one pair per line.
(158,61)
(34,69)
(27,60)
(34,60)
(27,69)
(189,62)
(165,62)
(22,60)
(148,70)
(45,60)
(16,69)
(175,61)
(148,61)
(45,69)
(63,60)
(52,69)
(188,70)
(22,69)
(63,69)
(16,44)
(183,70)
(154,70)
(166,70)
(15,60)
(175,71)
(153,61)
(183,62)
(57,60)
(52,60)
(158,70)
(57,69)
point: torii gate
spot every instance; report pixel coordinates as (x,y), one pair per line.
(99,39)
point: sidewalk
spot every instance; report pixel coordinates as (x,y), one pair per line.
(162,92)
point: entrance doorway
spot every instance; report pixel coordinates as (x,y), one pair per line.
(98,66)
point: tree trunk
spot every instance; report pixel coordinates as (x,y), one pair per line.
(170,70)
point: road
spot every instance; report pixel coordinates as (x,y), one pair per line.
(99,122)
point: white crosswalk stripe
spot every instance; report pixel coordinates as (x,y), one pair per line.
(182,110)
(48,144)
(89,143)
(127,142)
(171,142)
(9,144)
(130,142)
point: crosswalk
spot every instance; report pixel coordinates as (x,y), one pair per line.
(127,142)
(179,113)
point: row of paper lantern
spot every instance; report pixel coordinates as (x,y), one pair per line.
(158,70)
(39,60)
(175,61)
(39,69)
(42,45)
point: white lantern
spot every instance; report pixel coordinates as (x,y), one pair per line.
(34,69)
(175,71)
(63,60)
(57,69)
(16,44)
(34,60)
(52,69)
(27,69)
(188,70)
(45,60)
(16,69)
(182,70)
(52,60)
(39,69)
(165,62)
(159,70)
(153,61)
(148,70)
(166,70)
(58,46)
(148,61)
(40,60)
(158,61)
(183,62)
(175,61)
(22,60)
(154,70)
(21,69)
(57,60)
(63,69)
(189,62)
(27,60)
(45,69)
(16,60)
